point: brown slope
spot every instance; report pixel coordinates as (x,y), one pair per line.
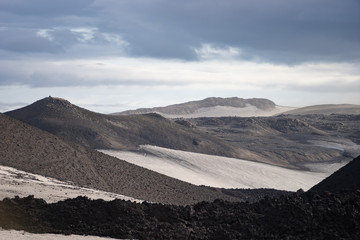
(346,177)
(100,131)
(191,107)
(30,149)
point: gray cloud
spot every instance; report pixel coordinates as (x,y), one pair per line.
(24,41)
(70,42)
(279,31)
(45,7)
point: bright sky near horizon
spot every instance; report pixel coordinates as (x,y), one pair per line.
(114,55)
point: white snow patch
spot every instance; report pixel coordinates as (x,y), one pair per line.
(21,235)
(338,144)
(216,171)
(326,167)
(15,182)
(226,111)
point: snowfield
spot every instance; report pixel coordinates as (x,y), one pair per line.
(21,235)
(226,111)
(14,182)
(222,172)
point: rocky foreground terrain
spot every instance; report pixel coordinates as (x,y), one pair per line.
(304,216)
(332,213)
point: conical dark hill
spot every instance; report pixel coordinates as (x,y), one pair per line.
(100,131)
(345,178)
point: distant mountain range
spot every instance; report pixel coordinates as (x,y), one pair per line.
(326,109)
(283,140)
(239,107)
(215,107)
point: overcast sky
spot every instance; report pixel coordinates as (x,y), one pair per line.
(114,55)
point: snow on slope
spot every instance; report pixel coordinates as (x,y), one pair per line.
(14,182)
(227,111)
(216,171)
(21,235)
(341,144)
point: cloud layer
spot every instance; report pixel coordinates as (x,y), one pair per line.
(276,30)
(301,45)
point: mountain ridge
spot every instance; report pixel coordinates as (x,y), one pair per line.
(192,107)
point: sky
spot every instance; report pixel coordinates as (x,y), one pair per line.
(115,55)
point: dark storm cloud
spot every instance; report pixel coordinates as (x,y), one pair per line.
(279,31)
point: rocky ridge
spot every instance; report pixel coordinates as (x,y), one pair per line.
(299,216)
(191,107)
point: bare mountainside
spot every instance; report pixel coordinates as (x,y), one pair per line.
(326,109)
(214,107)
(100,131)
(33,150)
(288,140)
(291,141)
(345,178)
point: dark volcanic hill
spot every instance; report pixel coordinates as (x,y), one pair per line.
(193,106)
(30,149)
(345,178)
(100,131)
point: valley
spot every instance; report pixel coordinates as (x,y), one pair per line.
(155,168)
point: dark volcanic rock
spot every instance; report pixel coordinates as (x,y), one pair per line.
(346,177)
(310,215)
(298,216)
